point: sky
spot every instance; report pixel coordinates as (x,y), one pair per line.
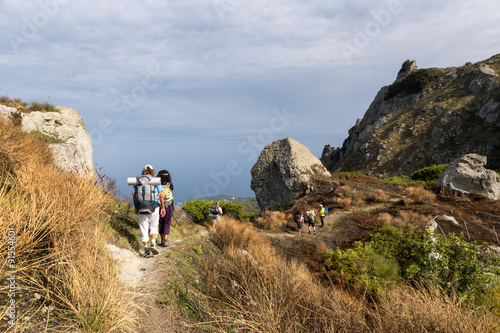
(199,88)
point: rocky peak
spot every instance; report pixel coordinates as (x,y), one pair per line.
(427,116)
(282,170)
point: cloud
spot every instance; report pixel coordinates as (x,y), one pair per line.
(183,77)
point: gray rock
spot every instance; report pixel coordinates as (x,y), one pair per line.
(474,86)
(74,148)
(282,170)
(467,174)
(490,112)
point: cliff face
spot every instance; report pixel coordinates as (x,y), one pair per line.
(426,117)
(72,149)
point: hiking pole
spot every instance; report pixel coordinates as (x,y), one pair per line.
(176,220)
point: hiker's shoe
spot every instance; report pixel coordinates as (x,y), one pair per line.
(167,244)
(315,232)
(309,232)
(153,249)
(147,251)
(162,244)
(321,226)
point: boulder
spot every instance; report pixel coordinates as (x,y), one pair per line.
(283,170)
(73,149)
(467,174)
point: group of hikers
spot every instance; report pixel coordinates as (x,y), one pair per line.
(154,206)
(311,219)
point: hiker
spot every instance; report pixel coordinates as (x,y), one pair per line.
(299,219)
(147,211)
(166,220)
(311,216)
(215,211)
(322,213)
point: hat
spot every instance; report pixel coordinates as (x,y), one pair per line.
(320,205)
(148,166)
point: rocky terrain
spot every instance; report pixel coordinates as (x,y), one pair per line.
(70,142)
(426,117)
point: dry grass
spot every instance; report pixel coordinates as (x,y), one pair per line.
(60,243)
(343,202)
(254,289)
(378,196)
(418,195)
(261,292)
(412,310)
(273,221)
(411,218)
(385,219)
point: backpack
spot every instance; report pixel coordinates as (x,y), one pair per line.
(326,210)
(296,219)
(168,196)
(145,195)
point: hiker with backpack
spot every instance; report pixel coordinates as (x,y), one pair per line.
(166,220)
(146,197)
(299,219)
(311,217)
(322,213)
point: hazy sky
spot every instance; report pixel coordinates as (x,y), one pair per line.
(200,87)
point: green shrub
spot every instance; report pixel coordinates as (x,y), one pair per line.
(403,180)
(198,209)
(414,83)
(389,254)
(428,174)
(44,137)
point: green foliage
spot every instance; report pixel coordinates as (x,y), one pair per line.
(44,107)
(403,180)
(428,174)
(414,83)
(390,254)
(44,137)
(405,67)
(363,265)
(198,209)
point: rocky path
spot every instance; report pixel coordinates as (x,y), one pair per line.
(149,278)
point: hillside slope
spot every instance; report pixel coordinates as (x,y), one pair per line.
(426,117)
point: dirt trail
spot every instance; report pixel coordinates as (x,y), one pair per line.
(149,276)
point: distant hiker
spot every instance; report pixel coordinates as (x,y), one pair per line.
(215,210)
(168,197)
(322,213)
(311,217)
(299,219)
(146,204)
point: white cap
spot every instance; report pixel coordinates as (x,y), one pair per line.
(148,166)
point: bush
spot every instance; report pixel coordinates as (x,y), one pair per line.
(414,83)
(272,220)
(198,209)
(422,257)
(428,174)
(418,195)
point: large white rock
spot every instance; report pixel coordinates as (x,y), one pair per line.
(467,174)
(281,171)
(74,148)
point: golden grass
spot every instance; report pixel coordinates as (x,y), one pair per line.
(411,218)
(261,292)
(273,221)
(254,289)
(60,243)
(418,195)
(343,202)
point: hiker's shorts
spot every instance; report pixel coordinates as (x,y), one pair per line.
(310,223)
(151,221)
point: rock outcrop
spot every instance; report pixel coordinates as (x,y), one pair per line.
(467,174)
(72,149)
(426,117)
(281,171)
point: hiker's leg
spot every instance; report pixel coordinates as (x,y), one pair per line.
(168,220)
(143,225)
(154,220)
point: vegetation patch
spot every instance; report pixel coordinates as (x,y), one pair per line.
(414,83)
(44,137)
(27,107)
